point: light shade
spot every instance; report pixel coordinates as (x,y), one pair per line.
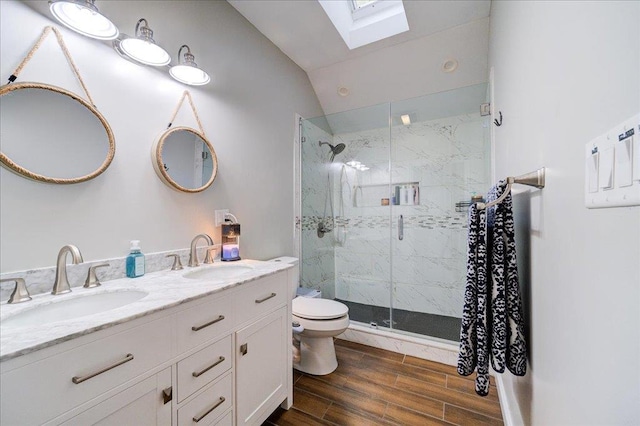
(142,48)
(82,16)
(187,70)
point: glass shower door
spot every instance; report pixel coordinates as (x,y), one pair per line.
(348,193)
(440,157)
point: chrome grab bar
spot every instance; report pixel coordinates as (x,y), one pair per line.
(264,299)
(200,327)
(78,379)
(200,373)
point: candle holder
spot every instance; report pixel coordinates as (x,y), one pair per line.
(230,242)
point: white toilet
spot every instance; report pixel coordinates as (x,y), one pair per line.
(322,320)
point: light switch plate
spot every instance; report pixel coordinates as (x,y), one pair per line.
(219,216)
(611,162)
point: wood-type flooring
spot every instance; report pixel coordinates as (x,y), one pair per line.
(377,387)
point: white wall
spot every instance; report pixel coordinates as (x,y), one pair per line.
(247,112)
(565,72)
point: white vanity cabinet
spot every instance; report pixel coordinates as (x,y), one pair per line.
(221,359)
(57,380)
(138,405)
(260,373)
(263,343)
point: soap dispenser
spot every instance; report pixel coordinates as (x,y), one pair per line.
(135,261)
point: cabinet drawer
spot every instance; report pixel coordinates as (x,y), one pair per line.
(59,383)
(261,297)
(204,322)
(226,420)
(209,405)
(202,367)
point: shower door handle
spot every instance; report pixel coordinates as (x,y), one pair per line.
(401,228)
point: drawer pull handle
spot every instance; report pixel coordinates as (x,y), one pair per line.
(264,299)
(200,327)
(77,380)
(200,373)
(202,416)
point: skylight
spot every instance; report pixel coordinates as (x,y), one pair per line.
(361,22)
(357,4)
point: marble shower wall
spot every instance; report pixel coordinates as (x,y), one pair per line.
(448,159)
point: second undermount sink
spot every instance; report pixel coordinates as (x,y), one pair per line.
(217,272)
(72,308)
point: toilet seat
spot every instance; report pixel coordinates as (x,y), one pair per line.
(318,309)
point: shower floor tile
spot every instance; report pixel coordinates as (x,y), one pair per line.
(440,326)
(377,387)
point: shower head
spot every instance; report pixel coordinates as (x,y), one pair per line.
(335,150)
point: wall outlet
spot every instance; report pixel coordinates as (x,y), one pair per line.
(219,216)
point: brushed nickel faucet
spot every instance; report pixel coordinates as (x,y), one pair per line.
(92,278)
(20,292)
(61,284)
(193,254)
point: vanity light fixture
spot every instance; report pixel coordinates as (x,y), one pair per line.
(142,48)
(82,16)
(187,70)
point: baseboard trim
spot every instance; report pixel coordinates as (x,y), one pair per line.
(509,406)
(432,350)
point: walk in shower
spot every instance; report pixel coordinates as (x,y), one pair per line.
(384,193)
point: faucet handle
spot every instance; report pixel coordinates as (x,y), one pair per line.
(92,278)
(209,257)
(177,265)
(20,292)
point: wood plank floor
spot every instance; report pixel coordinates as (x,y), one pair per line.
(377,387)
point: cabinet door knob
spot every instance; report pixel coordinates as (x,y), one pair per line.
(243,349)
(167,394)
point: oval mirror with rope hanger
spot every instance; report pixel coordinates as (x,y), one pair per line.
(73,145)
(183,157)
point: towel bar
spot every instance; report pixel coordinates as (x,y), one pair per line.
(535,178)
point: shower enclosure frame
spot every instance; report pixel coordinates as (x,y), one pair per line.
(392,212)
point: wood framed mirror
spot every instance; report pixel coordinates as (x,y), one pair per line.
(184,159)
(52,135)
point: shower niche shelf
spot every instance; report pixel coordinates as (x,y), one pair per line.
(384,194)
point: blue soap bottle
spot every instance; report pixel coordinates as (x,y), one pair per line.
(135,261)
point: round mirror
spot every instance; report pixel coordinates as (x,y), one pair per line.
(185,160)
(52,135)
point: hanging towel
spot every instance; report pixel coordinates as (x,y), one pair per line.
(492,328)
(508,346)
(474,342)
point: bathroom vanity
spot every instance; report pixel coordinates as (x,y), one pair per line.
(207,345)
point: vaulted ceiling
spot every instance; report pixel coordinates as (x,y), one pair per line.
(400,67)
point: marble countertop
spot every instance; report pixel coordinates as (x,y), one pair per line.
(165,290)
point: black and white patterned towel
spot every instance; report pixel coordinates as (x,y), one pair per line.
(492,322)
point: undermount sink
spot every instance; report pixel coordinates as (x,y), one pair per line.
(217,272)
(72,308)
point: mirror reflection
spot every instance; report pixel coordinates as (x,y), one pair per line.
(52,135)
(186,160)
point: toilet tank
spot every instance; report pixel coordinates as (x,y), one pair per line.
(295,273)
